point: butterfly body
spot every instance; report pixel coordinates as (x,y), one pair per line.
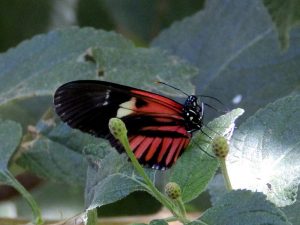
(159,128)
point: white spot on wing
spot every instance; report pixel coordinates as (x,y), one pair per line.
(126,108)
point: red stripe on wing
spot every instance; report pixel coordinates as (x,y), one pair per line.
(182,146)
(154,146)
(165,146)
(143,146)
(174,147)
(135,141)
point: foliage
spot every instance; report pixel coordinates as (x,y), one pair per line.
(229,50)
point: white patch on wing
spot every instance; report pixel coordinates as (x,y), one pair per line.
(126,108)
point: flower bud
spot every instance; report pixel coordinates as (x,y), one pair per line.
(173,190)
(117,128)
(220,147)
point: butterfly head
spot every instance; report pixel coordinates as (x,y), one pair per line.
(193,111)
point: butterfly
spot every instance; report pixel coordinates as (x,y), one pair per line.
(159,128)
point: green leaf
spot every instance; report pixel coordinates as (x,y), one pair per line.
(216,188)
(141,67)
(285,14)
(10,138)
(128,206)
(235,47)
(292,211)
(195,169)
(110,177)
(264,154)
(54,161)
(244,207)
(32,71)
(158,222)
(196,223)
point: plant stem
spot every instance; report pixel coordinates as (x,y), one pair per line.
(34,207)
(181,206)
(142,173)
(225,174)
(153,190)
(92,217)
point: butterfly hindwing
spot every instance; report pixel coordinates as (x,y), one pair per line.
(155,124)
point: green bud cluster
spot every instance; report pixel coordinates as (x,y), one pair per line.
(117,128)
(220,147)
(172,190)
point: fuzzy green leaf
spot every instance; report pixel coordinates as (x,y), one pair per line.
(264,154)
(242,208)
(292,211)
(10,138)
(110,176)
(55,161)
(194,168)
(235,46)
(32,71)
(141,67)
(158,222)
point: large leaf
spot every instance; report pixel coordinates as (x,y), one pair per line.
(195,169)
(10,138)
(285,14)
(110,176)
(141,67)
(242,208)
(158,222)
(35,68)
(292,211)
(54,161)
(54,151)
(235,47)
(264,154)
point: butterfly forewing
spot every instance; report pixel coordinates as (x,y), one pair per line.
(155,124)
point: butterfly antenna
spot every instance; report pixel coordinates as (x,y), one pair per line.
(217,110)
(217,100)
(224,135)
(206,134)
(160,82)
(209,128)
(211,97)
(210,155)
